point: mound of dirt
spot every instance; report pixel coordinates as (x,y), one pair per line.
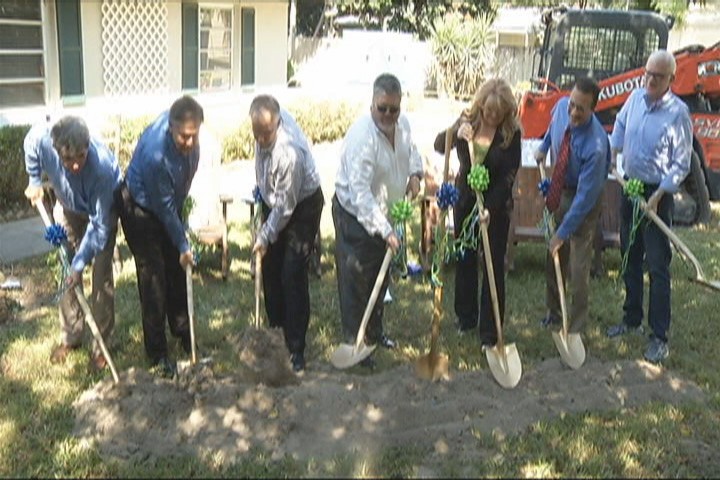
(264,358)
(333,412)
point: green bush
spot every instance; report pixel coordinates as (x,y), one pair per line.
(130,130)
(13,178)
(320,121)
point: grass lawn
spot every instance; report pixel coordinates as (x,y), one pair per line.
(654,440)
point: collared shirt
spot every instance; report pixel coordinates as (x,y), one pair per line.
(655,138)
(373,174)
(588,165)
(159,177)
(89,192)
(286,175)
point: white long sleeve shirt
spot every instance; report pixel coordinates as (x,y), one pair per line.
(373,174)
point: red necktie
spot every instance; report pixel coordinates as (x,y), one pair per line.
(558,177)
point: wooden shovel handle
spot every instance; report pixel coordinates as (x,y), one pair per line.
(491,283)
(191,312)
(373,297)
(561,291)
(258,287)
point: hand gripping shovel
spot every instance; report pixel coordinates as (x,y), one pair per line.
(569,345)
(434,365)
(345,355)
(503,360)
(82,301)
(699,274)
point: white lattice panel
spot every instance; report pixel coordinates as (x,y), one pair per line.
(135,46)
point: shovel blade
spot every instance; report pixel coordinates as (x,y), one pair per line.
(346,355)
(505,365)
(571,348)
(432,367)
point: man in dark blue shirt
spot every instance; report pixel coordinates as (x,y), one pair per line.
(579,208)
(156,185)
(84,175)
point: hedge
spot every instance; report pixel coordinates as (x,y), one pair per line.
(13,178)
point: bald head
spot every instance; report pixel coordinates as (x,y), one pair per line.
(265,118)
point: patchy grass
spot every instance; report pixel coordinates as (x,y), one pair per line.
(655,440)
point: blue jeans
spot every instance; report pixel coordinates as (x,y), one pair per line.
(652,248)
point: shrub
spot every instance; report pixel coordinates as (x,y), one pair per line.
(320,121)
(463,51)
(130,131)
(13,178)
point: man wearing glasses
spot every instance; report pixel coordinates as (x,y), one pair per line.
(654,132)
(379,164)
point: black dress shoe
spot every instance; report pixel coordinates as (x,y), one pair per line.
(298,362)
(368,362)
(165,368)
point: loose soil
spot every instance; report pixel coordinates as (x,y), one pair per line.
(329,412)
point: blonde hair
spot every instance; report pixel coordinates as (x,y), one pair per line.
(499,91)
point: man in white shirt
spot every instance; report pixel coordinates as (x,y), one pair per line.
(379,164)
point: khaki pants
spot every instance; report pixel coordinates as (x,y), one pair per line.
(102,300)
(575,260)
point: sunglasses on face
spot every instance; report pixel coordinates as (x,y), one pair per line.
(386,108)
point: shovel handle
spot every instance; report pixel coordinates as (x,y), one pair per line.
(373,297)
(491,283)
(191,312)
(561,291)
(700,275)
(89,319)
(258,286)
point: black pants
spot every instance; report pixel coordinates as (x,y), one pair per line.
(468,311)
(160,277)
(650,246)
(358,258)
(285,271)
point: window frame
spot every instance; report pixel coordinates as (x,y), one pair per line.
(201,50)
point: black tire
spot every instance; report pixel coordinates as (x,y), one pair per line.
(692,203)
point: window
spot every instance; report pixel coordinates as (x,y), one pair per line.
(215,48)
(247,47)
(22,66)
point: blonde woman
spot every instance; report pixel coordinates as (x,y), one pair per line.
(491,122)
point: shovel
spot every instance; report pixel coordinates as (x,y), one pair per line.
(346,355)
(258,287)
(569,345)
(191,312)
(503,360)
(82,301)
(699,274)
(434,365)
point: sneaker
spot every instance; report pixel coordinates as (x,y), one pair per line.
(549,320)
(656,351)
(165,368)
(61,352)
(298,362)
(622,329)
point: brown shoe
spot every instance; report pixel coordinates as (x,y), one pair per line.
(60,353)
(97,362)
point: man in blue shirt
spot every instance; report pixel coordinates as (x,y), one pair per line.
(84,176)
(156,184)
(292,203)
(580,202)
(654,132)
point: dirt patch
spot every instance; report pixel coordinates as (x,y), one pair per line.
(333,412)
(22,304)
(264,358)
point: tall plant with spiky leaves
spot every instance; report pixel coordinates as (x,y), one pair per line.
(463,53)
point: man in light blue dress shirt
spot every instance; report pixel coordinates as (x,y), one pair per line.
(156,185)
(581,200)
(654,132)
(84,175)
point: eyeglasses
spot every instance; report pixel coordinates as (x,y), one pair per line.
(656,75)
(386,108)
